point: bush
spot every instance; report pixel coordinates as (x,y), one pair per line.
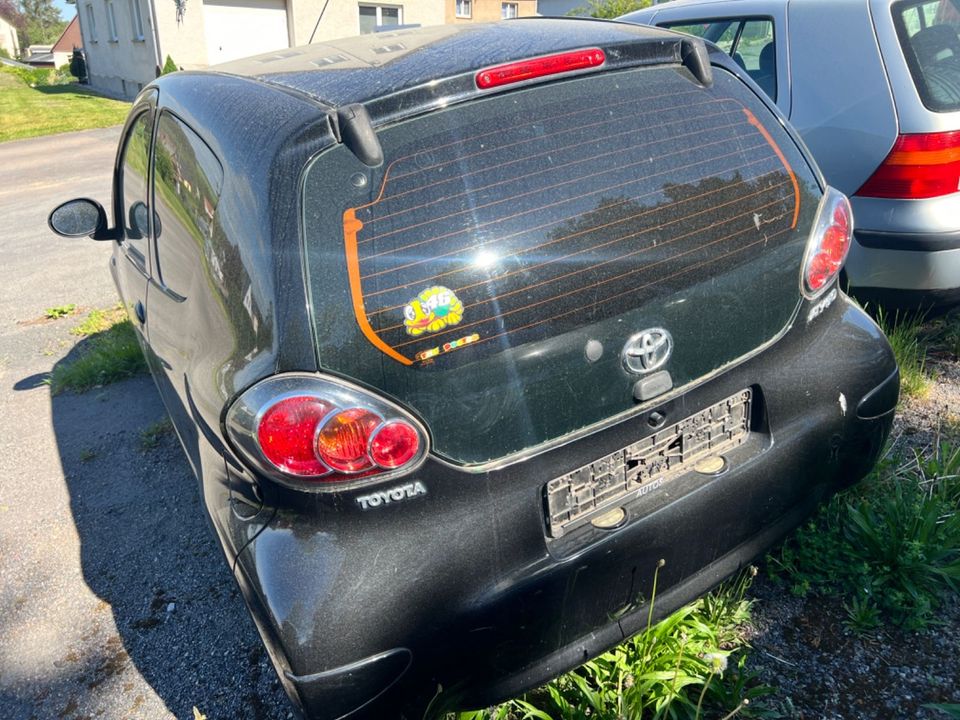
(78,65)
(169,66)
(36,77)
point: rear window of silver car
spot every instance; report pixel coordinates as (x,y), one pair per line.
(930,37)
(489,273)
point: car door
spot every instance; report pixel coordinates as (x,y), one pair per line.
(187,180)
(131,261)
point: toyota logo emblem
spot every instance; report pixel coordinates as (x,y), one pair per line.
(647,351)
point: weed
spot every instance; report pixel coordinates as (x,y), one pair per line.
(110,352)
(99,320)
(905,335)
(55,313)
(950,710)
(86,455)
(678,668)
(863,615)
(892,543)
(151,435)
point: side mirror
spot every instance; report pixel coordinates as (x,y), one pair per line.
(80,217)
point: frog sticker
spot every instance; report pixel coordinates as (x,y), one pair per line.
(432,310)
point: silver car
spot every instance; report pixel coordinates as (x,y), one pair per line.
(873,86)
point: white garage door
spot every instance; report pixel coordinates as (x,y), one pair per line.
(238,28)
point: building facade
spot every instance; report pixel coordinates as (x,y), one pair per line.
(460,11)
(8,39)
(127,42)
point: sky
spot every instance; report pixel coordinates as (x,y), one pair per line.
(66,11)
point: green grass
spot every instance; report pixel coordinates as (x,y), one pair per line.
(690,665)
(51,108)
(109,352)
(906,336)
(892,543)
(945,335)
(152,435)
(99,320)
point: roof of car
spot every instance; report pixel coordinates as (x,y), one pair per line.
(359,69)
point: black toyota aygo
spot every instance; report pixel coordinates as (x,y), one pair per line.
(464,329)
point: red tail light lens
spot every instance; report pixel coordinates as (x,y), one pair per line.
(919,166)
(312,432)
(516,72)
(342,443)
(286,432)
(828,244)
(395,444)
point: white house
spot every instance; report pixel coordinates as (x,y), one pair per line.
(8,39)
(127,41)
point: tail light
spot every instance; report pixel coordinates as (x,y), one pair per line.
(828,244)
(919,166)
(313,432)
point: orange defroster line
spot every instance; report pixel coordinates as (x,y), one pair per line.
(752,119)
(352,226)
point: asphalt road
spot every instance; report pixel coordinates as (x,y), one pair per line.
(115,601)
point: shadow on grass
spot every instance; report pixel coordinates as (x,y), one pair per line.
(145,550)
(82,91)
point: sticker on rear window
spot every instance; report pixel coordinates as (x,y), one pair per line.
(431,311)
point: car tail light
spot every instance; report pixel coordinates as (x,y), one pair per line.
(313,432)
(286,431)
(919,166)
(523,70)
(828,244)
(343,441)
(394,445)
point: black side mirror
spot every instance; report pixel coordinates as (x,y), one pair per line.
(80,217)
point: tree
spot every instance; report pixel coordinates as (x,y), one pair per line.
(169,66)
(41,23)
(609,9)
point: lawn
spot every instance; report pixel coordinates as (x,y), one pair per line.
(47,109)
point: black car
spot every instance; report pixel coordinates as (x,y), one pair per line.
(465,329)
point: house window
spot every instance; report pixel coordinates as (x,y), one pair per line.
(378,16)
(136,19)
(464,8)
(112,22)
(509,10)
(91,24)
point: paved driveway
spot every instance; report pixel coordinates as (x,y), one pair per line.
(114,600)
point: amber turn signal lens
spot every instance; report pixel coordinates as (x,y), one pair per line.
(342,442)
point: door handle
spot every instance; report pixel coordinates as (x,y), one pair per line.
(140,312)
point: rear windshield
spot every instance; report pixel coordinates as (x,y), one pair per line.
(489,273)
(929,36)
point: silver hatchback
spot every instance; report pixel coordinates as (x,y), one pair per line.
(873,86)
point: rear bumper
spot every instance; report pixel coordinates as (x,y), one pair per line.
(460,588)
(903,270)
